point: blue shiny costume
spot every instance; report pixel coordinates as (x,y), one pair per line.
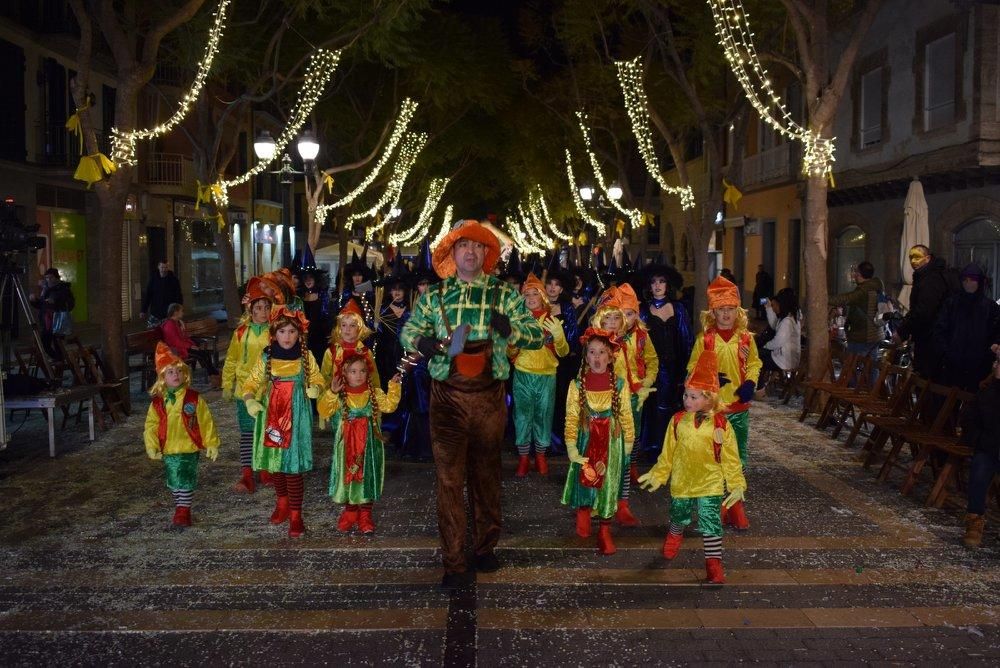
(673,341)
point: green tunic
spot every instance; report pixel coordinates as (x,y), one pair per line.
(298,456)
(369,489)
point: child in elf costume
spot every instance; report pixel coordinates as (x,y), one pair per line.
(609,316)
(701,460)
(599,435)
(283,378)
(642,364)
(725,333)
(347,337)
(535,381)
(355,406)
(178,427)
(249,340)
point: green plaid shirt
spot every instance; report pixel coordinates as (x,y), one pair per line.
(469,304)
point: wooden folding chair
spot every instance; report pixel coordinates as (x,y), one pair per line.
(812,389)
(902,413)
(895,386)
(930,410)
(944,441)
(842,398)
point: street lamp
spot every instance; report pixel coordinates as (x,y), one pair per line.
(586,193)
(308,146)
(615,192)
(394,212)
(263,146)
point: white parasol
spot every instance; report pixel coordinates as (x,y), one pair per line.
(915,231)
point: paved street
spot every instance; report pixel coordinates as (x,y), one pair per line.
(837,568)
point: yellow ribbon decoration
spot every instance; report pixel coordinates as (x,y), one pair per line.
(203,194)
(648,219)
(620,227)
(732,194)
(328,182)
(94,168)
(75,126)
(829,178)
(220,220)
(582,239)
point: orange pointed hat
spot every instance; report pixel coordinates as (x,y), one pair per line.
(705,375)
(598,333)
(271,289)
(255,290)
(722,292)
(533,281)
(627,297)
(165,357)
(444,263)
(352,308)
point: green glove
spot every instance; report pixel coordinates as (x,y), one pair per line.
(254,407)
(734,496)
(650,481)
(313,391)
(212,453)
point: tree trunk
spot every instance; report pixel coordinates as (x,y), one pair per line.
(698,236)
(816,284)
(112,197)
(230,286)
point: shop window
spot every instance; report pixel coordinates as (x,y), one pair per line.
(850,252)
(939,82)
(871,107)
(979,241)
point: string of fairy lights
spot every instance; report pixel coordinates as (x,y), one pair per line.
(321,67)
(581,209)
(123,142)
(732,27)
(534,226)
(434,193)
(540,210)
(634,216)
(521,233)
(445,227)
(636,105)
(412,145)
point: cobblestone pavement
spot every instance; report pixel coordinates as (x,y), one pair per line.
(836,568)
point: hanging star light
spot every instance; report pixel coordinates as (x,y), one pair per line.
(732,26)
(434,193)
(123,142)
(635,216)
(413,144)
(581,210)
(630,80)
(445,227)
(321,67)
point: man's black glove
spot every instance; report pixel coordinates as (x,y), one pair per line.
(500,323)
(428,346)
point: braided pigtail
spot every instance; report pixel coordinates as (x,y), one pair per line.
(343,400)
(616,400)
(267,360)
(582,398)
(376,415)
(305,358)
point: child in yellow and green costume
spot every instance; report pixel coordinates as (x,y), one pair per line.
(276,393)
(249,340)
(701,460)
(599,436)
(725,332)
(535,381)
(347,338)
(354,404)
(178,427)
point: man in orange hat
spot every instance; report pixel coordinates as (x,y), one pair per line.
(468,412)
(725,333)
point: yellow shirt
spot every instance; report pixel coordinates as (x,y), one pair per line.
(255,382)
(327,367)
(329,403)
(541,360)
(598,401)
(688,461)
(178,442)
(244,352)
(729,363)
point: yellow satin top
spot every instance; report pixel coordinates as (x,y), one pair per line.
(178,441)
(688,461)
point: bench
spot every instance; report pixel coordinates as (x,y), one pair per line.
(204,331)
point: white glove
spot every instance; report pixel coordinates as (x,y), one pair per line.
(651,482)
(313,391)
(574,455)
(734,496)
(254,407)
(212,453)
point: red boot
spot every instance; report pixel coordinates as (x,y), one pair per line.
(633,473)
(296,527)
(583,522)
(713,569)
(523,462)
(724,515)
(182,516)
(541,463)
(365,523)
(672,545)
(624,515)
(265,479)
(348,518)
(605,545)
(280,513)
(246,484)
(738,517)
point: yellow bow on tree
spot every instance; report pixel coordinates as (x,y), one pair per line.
(582,239)
(93,168)
(620,227)
(732,194)
(74,125)
(829,178)
(220,220)
(648,219)
(328,182)
(202,195)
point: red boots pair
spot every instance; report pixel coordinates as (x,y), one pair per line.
(605,544)
(182,516)
(246,483)
(735,517)
(524,464)
(360,516)
(283,513)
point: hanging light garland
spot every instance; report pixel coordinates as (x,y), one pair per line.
(521,241)
(635,216)
(434,193)
(581,210)
(636,104)
(732,26)
(123,142)
(541,212)
(445,227)
(321,67)
(413,144)
(534,227)
(524,236)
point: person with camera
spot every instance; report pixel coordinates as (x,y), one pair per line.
(861,306)
(783,351)
(54,306)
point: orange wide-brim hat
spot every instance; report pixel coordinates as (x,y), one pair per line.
(705,375)
(444,263)
(271,289)
(297,318)
(532,282)
(723,292)
(165,357)
(627,297)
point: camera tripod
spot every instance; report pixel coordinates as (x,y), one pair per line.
(10,280)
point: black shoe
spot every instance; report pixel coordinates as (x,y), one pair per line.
(487,563)
(456,580)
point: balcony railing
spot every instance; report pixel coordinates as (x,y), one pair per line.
(769,165)
(169,169)
(56,146)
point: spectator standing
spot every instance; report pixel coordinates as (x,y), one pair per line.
(861,305)
(784,350)
(162,290)
(980,423)
(763,288)
(969,322)
(54,306)
(933,283)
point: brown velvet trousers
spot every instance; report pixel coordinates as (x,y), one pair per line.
(467,437)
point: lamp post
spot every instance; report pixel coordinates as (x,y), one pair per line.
(601,206)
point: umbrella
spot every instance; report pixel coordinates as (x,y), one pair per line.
(915,231)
